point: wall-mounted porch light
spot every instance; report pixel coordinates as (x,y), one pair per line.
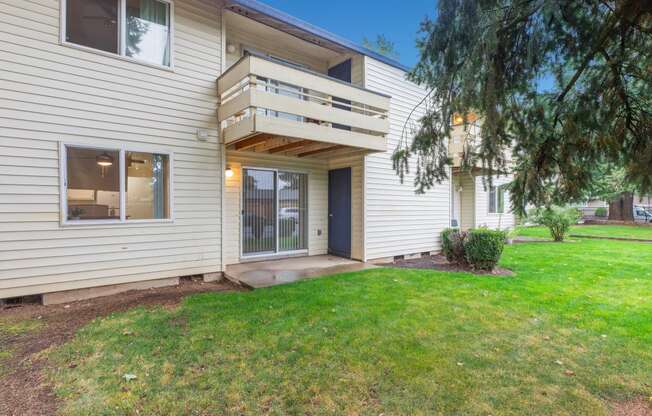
(228,172)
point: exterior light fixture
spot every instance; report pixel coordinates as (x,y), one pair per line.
(228,172)
(104,160)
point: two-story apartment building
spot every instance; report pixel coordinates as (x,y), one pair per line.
(475,202)
(142,140)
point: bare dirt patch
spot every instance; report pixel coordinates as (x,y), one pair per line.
(636,407)
(439,262)
(23,388)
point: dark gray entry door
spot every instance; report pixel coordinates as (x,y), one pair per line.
(339,212)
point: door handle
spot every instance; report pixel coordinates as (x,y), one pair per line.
(330,215)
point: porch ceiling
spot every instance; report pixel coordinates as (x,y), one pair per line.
(288,146)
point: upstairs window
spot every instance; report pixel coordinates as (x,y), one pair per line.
(148,31)
(138,29)
(93,23)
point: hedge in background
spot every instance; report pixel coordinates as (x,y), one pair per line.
(483,248)
(601,212)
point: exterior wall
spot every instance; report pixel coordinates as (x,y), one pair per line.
(271,43)
(52,93)
(397,220)
(597,203)
(317,199)
(503,221)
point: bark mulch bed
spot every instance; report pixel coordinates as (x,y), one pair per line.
(636,407)
(23,388)
(439,262)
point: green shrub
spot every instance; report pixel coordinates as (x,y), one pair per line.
(601,212)
(453,245)
(483,247)
(558,220)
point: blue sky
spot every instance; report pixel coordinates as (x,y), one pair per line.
(355,19)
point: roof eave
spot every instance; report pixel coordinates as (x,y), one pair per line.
(308,28)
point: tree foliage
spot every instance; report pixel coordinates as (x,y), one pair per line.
(565,84)
(381,45)
(609,182)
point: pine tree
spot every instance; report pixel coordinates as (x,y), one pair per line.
(566,84)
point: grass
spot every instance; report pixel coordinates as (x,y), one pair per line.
(385,341)
(617,231)
(18,327)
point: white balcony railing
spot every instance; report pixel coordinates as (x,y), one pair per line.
(261,96)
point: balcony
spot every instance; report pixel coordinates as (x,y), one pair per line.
(275,107)
(467,140)
(458,143)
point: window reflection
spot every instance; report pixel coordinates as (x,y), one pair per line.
(147,186)
(258,211)
(148,31)
(293,204)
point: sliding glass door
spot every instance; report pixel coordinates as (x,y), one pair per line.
(258,211)
(274,211)
(293,203)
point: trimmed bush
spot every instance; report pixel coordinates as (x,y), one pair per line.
(601,212)
(483,247)
(453,245)
(558,220)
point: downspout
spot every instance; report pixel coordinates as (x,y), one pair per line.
(451,190)
(364,176)
(220,144)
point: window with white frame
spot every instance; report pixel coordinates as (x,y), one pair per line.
(139,29)
(115,185)
(497,199)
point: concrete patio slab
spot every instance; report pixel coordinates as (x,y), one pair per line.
(277,272)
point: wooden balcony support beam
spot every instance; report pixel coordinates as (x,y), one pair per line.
(252,141)
(321,150)
(290,146)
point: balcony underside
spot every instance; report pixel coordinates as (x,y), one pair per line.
(282,145)
(291,138)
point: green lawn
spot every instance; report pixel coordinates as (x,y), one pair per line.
(570,333)
(618,231)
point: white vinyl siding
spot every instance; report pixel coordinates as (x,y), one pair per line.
(483,218)
(317,199)
(53,93)
(398,221)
